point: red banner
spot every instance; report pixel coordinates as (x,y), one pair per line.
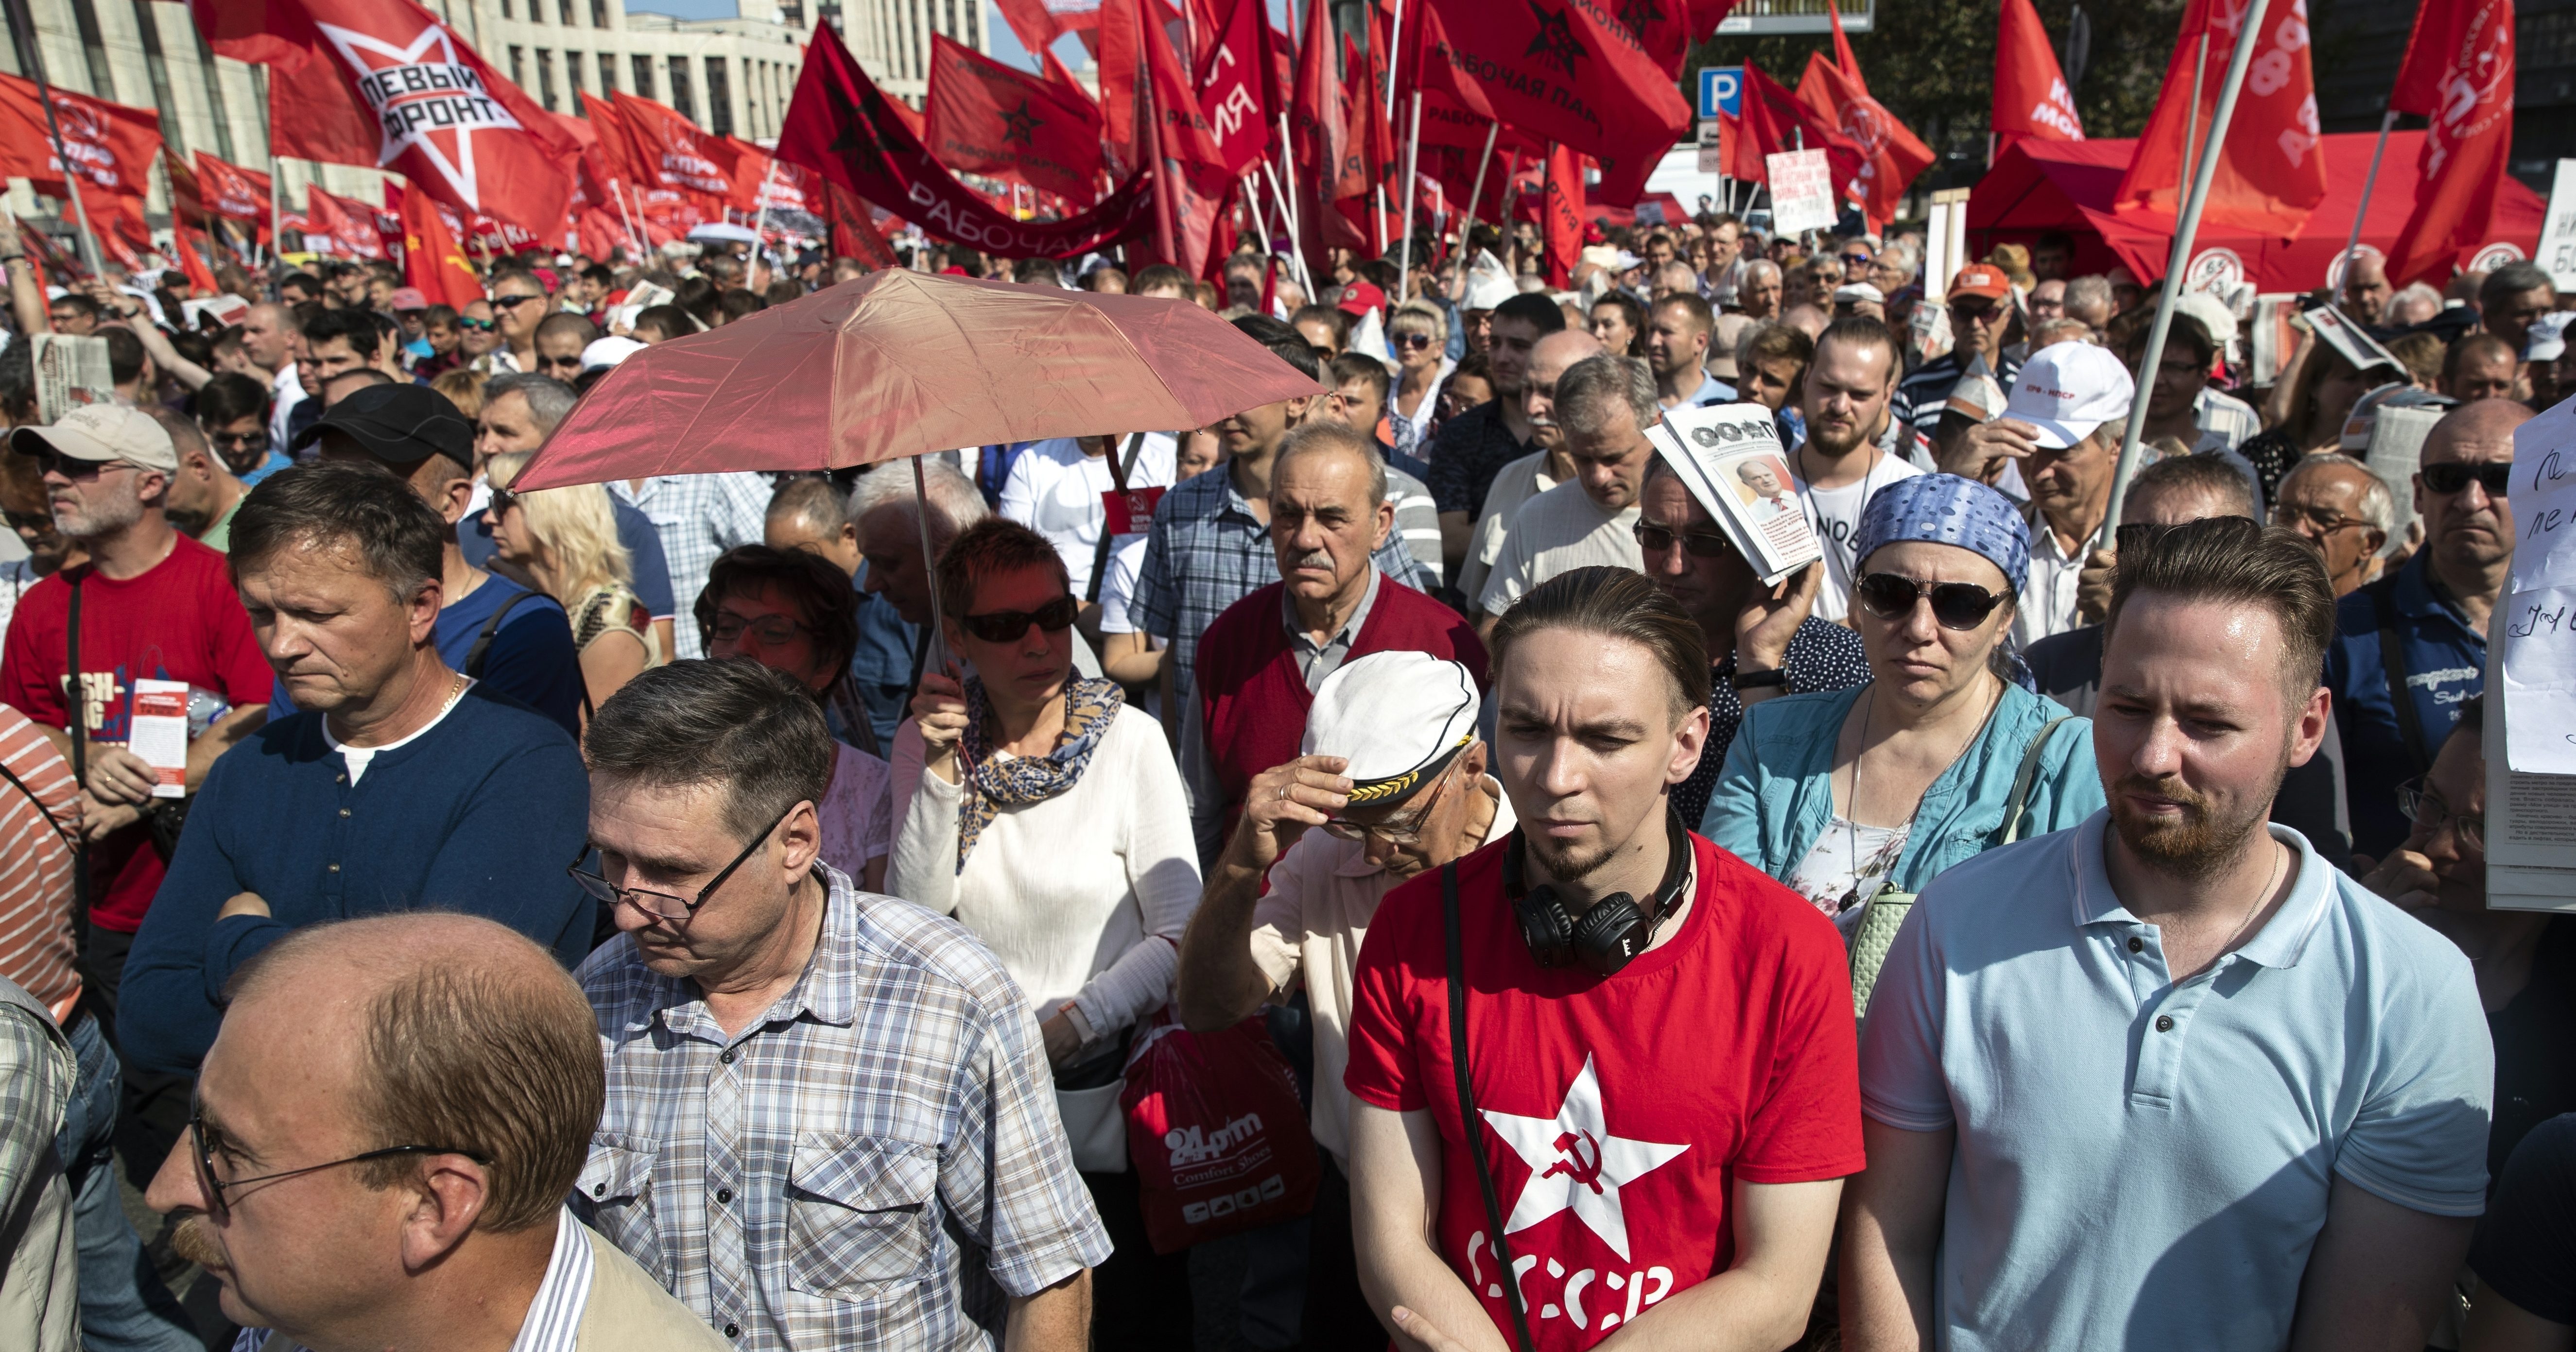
(339,227)
(1561,213)
(1230,65)
(2270,172)
(1890,155)
(233,193)
(387,85)
(854,235)
(111,148)
(988,118)
(1571,75)
(842,126)
(2031,98)
(2458,73)
(671,153)
(433,262)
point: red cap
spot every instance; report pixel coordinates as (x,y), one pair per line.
(407,298)
(1981,279)
(1594,234)
(1361,297)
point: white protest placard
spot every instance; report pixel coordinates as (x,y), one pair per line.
(2537,618)
(1802,191)
(2557,254)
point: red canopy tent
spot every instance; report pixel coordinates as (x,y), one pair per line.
(2068,185)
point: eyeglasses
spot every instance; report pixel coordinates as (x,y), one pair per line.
(1413,340)
(1002,626)
(477,325)
(503,500)
(1955,605)
(220,1209)
(769,630)
(1403,829)
(2426,809)
(512,302)
(1988,313)
(1701,544)
(240,441)
(2495,477)
(571,363)
(1856,260)
(2326,520)
(663,905)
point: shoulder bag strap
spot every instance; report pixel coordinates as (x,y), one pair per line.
(2392,661)
(76,719)
(1119,471)
(70,842)
(1467,1119)
(483,639)
(2015,809)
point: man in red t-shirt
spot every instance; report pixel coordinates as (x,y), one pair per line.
(1666,1108)
(154,605)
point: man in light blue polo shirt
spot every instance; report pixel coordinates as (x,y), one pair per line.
(2167,1079)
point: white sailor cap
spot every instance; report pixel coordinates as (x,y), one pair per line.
(1397,717)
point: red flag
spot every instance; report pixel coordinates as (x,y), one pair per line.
(853,234)
(1889,155)
(2031,98)
(1775,122)
(233,193)
(988,118)
(2458,73)
(842,126)
(336,225)
(762,181)
(388,85)
(389,224)
(1231,85)
(1315,117)
(432,260)
(672,153)
(611,152)
(111,148)
(1561,213)
(1567,74)
(2270,172)
(201,277)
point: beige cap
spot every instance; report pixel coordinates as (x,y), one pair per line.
(100,433)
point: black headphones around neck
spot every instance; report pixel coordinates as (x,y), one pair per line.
(1609,935)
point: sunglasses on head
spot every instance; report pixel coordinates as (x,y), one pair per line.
(1701,544)
(1004,626)
(1955,605)
(2453,476)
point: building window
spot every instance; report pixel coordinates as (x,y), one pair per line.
(719,97)
(149,30)
(221,116)
(563,10)
(643,76)
(505,8)
(572,79)
(975,27)
(599,13)
(793,13)
(951,28)
(518,68)
(607,75)
(94,46)
(681,97)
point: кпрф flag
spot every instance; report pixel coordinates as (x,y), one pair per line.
(2031,98)
(387,85)
(2458,74)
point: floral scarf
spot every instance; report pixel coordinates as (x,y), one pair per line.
(992,782)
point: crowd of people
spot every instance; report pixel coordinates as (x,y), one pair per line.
(729,910)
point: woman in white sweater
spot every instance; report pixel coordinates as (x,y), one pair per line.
(1048,817)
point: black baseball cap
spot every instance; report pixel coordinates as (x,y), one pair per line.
(398,424)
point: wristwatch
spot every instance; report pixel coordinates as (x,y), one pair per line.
(1759,680)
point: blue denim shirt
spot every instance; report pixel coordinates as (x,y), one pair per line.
(2446,663)
(1776,793)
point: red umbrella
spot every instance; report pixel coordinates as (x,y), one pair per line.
(904,363)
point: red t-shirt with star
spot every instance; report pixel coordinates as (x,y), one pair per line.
(1618,1111)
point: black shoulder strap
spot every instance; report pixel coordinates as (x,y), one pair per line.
(2392,661)
(70,841)
(1468,1123)
(483,639)
(76,719)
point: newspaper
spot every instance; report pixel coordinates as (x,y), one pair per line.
(2347,339)
(70,373)
(641,297)
(1730,457)
(2271,339)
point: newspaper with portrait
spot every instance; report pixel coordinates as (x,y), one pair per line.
(1731,459)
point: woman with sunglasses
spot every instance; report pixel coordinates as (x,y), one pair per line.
(1844,794)
(1420,335)
(565,541)
(1048,817)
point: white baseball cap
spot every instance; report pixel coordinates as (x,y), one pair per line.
(2069,389)
(1397,716)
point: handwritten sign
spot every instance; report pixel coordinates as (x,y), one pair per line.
(2536,622)
(2558,231)
(1802,191)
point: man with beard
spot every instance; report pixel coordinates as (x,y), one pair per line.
(456,1067)
(2435,609)
(1844,404)
(1600,1024)
(2167,1079)
(1474,446)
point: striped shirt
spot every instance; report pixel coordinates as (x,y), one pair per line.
(553,1323)
(36,866)
(2224,416)
(874,1162)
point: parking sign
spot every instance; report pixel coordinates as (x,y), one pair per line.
(1721,90)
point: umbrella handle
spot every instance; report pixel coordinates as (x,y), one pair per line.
(929,561)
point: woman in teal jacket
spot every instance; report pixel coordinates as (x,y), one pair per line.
(1841,794)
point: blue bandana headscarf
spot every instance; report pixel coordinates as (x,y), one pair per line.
(1947,510)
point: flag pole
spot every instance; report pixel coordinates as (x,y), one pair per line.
(2352,242)
(1391,59)
(1476,194)
(22,28)
(760,226)
(1412,149)
(2185,228)
(634,238)
(1296,242)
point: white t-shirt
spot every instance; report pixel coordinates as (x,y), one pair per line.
(857,811)
(1848,857)
(358,757)
(1557,532)
(1834,514)
(1054,489)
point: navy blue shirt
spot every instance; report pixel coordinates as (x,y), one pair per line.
(531,659)
(652,571)
(2445,662)
(478,814)
(881,666)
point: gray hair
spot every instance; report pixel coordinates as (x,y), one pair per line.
(733,725)
(2512,280)
(955,502)
(2378,506)
(1762,267)
(812,503)
(2085,293)
(1590,393)
(1325,434)
(549,400)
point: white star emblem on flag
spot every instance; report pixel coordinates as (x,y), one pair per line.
(1576,1164)
(425,98)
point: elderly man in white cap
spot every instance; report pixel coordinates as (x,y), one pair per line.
(2062,431)
(1395,775)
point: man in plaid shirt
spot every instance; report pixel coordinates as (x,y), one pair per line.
(1210,542)
(698,517)
(830,1122)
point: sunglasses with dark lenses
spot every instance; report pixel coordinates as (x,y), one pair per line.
(512,302)
(1701,544)
(2451,477)
(502,501)
(477,325)
(1003,626)
(1413,340)
(240,441)
(26,521)
(1955,605)
(219,1208)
